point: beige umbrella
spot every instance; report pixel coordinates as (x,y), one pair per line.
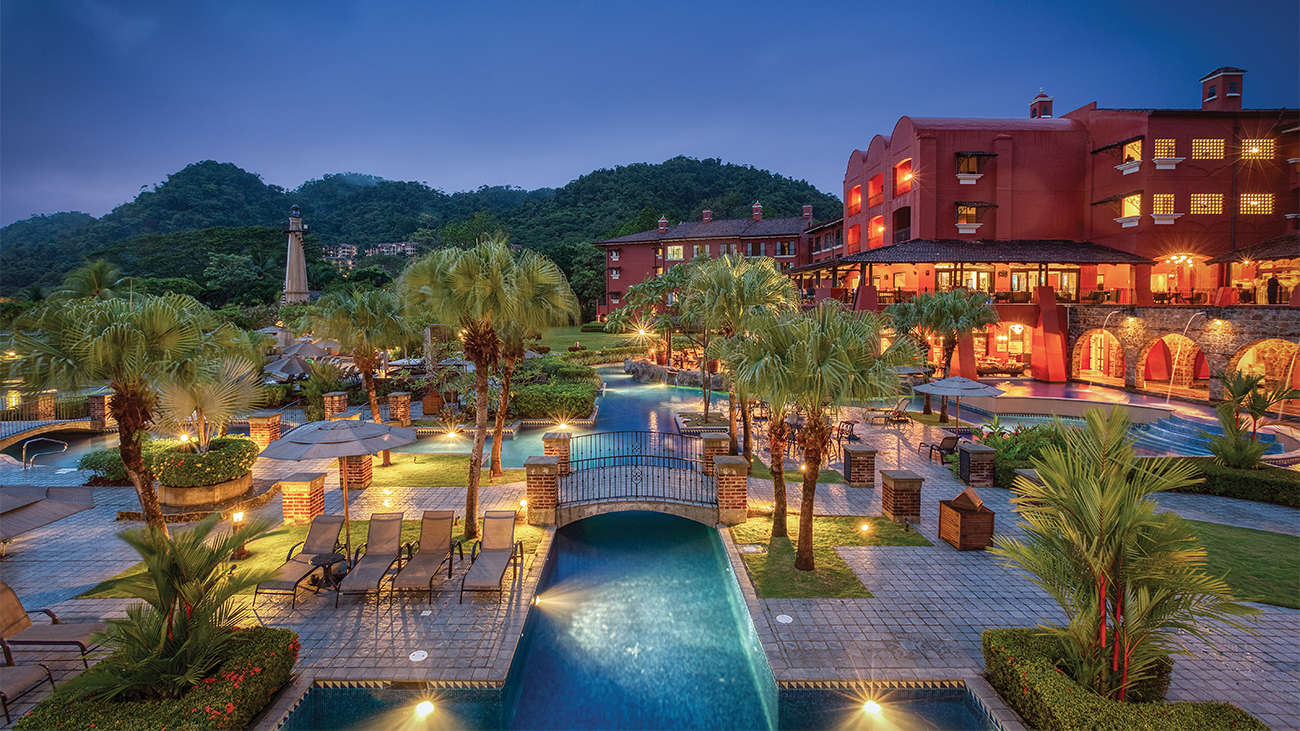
(336,440)
(306,350)
(289,366)
(957,386)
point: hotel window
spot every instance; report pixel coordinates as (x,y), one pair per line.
(613,273)
(855,200)
(785,248)
(1162,204)
(675,253)
(1257,149)
(855,235)
(1131,205)
(613,254)
(1257,203)
(817,244)
(1207,149)
(876,190)
(876,232)
(700,250)
(903,177)
(1132,152)
(614,297)
(1163,149)
(967,214)
(659,271)
(1206,203)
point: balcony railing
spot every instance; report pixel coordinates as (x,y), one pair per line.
(875,200)
(903,234)
(855,210)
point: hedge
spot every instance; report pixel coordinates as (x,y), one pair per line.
(1264,485)
(226,459)
(554,401)
(241,687)
(593,327)
(608,355)
(1004,470)
(1022,666)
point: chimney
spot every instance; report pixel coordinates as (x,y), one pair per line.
(708,215)
(1221,90)
(1041,106)
(807,210)
(758,211)
(663,224)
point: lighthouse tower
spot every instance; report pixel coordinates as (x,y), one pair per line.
(295,268)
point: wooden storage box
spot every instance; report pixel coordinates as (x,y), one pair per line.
(965,522)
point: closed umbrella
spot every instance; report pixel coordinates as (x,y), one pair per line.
(956,386)
(306,350)
(336,440)
(289,366)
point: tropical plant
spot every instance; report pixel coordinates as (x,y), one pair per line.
(134,347)
(204,407)
(828,358)
(186,625)
(481,290)
(1244,410)
(1129,580)
(653,306)
(948,316)
(324,378)
(366,323)
(98,279)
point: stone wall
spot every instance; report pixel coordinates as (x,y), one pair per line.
(647,372)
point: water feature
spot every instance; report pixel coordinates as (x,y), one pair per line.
(1173,367)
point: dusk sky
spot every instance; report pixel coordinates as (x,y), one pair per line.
(101,97)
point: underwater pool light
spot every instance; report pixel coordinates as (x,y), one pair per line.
(424,709)
(871,707)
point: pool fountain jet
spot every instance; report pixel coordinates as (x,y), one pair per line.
(1173,367)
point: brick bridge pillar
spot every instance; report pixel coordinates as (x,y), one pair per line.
(336,402)
(715,445)
(981,463)
(733,489)
(556,444)
(399,408)
(542,489)
(302,496)
(900,500)
(859,465)
(98,405)
(264,429)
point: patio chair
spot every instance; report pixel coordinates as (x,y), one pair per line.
(322,539)
(17,681)
(944,448)
(382,549)
(897,414)
(426,556)
(844,432)
(16,628)
(491,555)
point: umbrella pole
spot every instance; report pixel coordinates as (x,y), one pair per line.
(347,515)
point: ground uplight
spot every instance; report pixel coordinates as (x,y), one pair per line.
(871,707)
(424,709)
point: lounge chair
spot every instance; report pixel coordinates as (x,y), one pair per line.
(16,628)
(896,414)
(322,539)
(491,555)
(382,549)
(947,446)
(430,552)
(17,680)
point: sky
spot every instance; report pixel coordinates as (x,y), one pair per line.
(100,98)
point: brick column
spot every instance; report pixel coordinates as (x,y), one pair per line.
(715,445)
(556,444)
(302,496)
(399,408)
(98,405)
(45,407)
(543,489)
(359,469)
(264,429)
(859,465)
(733,489)
(900,500)
(336,402)
(981,463)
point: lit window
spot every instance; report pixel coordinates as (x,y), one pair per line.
(700,250)
(855,235)
(1163,149)
(1206,203)
(1256,202)
(1132,151)
(613,273)
(1207,149)
(903,177)
(855,200)
(613,254)
(785,248)
(659,271)
(965,214)
(1162,204)
(1131,206)
(1257,149)
(675,253)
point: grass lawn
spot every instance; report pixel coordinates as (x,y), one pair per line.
(1260,565)
(762,471)
(775,576)
(560,338)
(695,418)
(268,553)
(430,470)
(933,419)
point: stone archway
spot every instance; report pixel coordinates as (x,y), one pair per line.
(1278,360)
(1173,362)
(1098,356)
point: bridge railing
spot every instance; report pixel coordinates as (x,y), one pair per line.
(45,409)
(636,465)
(634,443)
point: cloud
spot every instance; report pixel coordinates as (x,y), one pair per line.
(118,28)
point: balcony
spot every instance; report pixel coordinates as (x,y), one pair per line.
(854,210)
(903,234)
(875,200)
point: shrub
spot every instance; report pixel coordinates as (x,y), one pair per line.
(259,664)
(593,327)
(226,459)
(105,463)
(1264,485)
(543,349)
(1022,665)
(608,355)
(577,348)
(1004,470)
(554,401)
(574,374)
(277,394)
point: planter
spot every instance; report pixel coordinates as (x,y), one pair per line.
(965,523)
(205,494)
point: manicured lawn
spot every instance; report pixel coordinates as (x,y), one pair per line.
(762,471)
(430,470)
(933,419)
(1260,565)
(270,552)
(560,338)
(775,576)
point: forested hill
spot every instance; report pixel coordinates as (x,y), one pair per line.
(361,209)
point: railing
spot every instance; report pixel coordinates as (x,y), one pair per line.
(635,466)
(32,414)
(903,234)
(875,200)
(32,462)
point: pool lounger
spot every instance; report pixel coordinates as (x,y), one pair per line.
(493,554)
(426,556)
(17,680)
(382,549)
(322,538)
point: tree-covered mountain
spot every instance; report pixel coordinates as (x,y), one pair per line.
(213,208)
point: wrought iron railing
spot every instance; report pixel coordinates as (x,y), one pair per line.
(28,415)
(622,466)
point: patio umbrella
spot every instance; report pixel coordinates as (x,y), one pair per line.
(957,386)
(289,366)
(306,350)
(336,440)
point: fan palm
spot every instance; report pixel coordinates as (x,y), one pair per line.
(949,316)
(1129,581)
(132,348)
(206,406)
(365,324)
(98,279)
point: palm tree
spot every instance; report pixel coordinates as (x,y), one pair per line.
(207,406)
(365,324)
(949,316)
(1129,581)
(477,290)
(132,348)
(98,279)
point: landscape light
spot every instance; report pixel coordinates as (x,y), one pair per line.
(866,527)
(871,707)
(185,438)
(238,517)
(640,332)
(523,504)
(424,709)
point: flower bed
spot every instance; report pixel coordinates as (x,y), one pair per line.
(1022,666)
(241,687)
(227,458)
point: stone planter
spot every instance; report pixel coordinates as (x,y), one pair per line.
(205,494)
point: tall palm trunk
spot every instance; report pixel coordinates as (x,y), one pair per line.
(949,347)
(814,437)
(731,415)
(507,370)
(747,420)
(476,453)
(130,407)
(777,433)
(368,382)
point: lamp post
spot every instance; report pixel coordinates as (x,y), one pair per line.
(241,553)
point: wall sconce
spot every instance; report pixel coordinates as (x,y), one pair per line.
(1017,328)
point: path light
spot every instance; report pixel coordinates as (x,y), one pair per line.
(424,709)
(871,707)
(185,438)
(865,527)
(241,553)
